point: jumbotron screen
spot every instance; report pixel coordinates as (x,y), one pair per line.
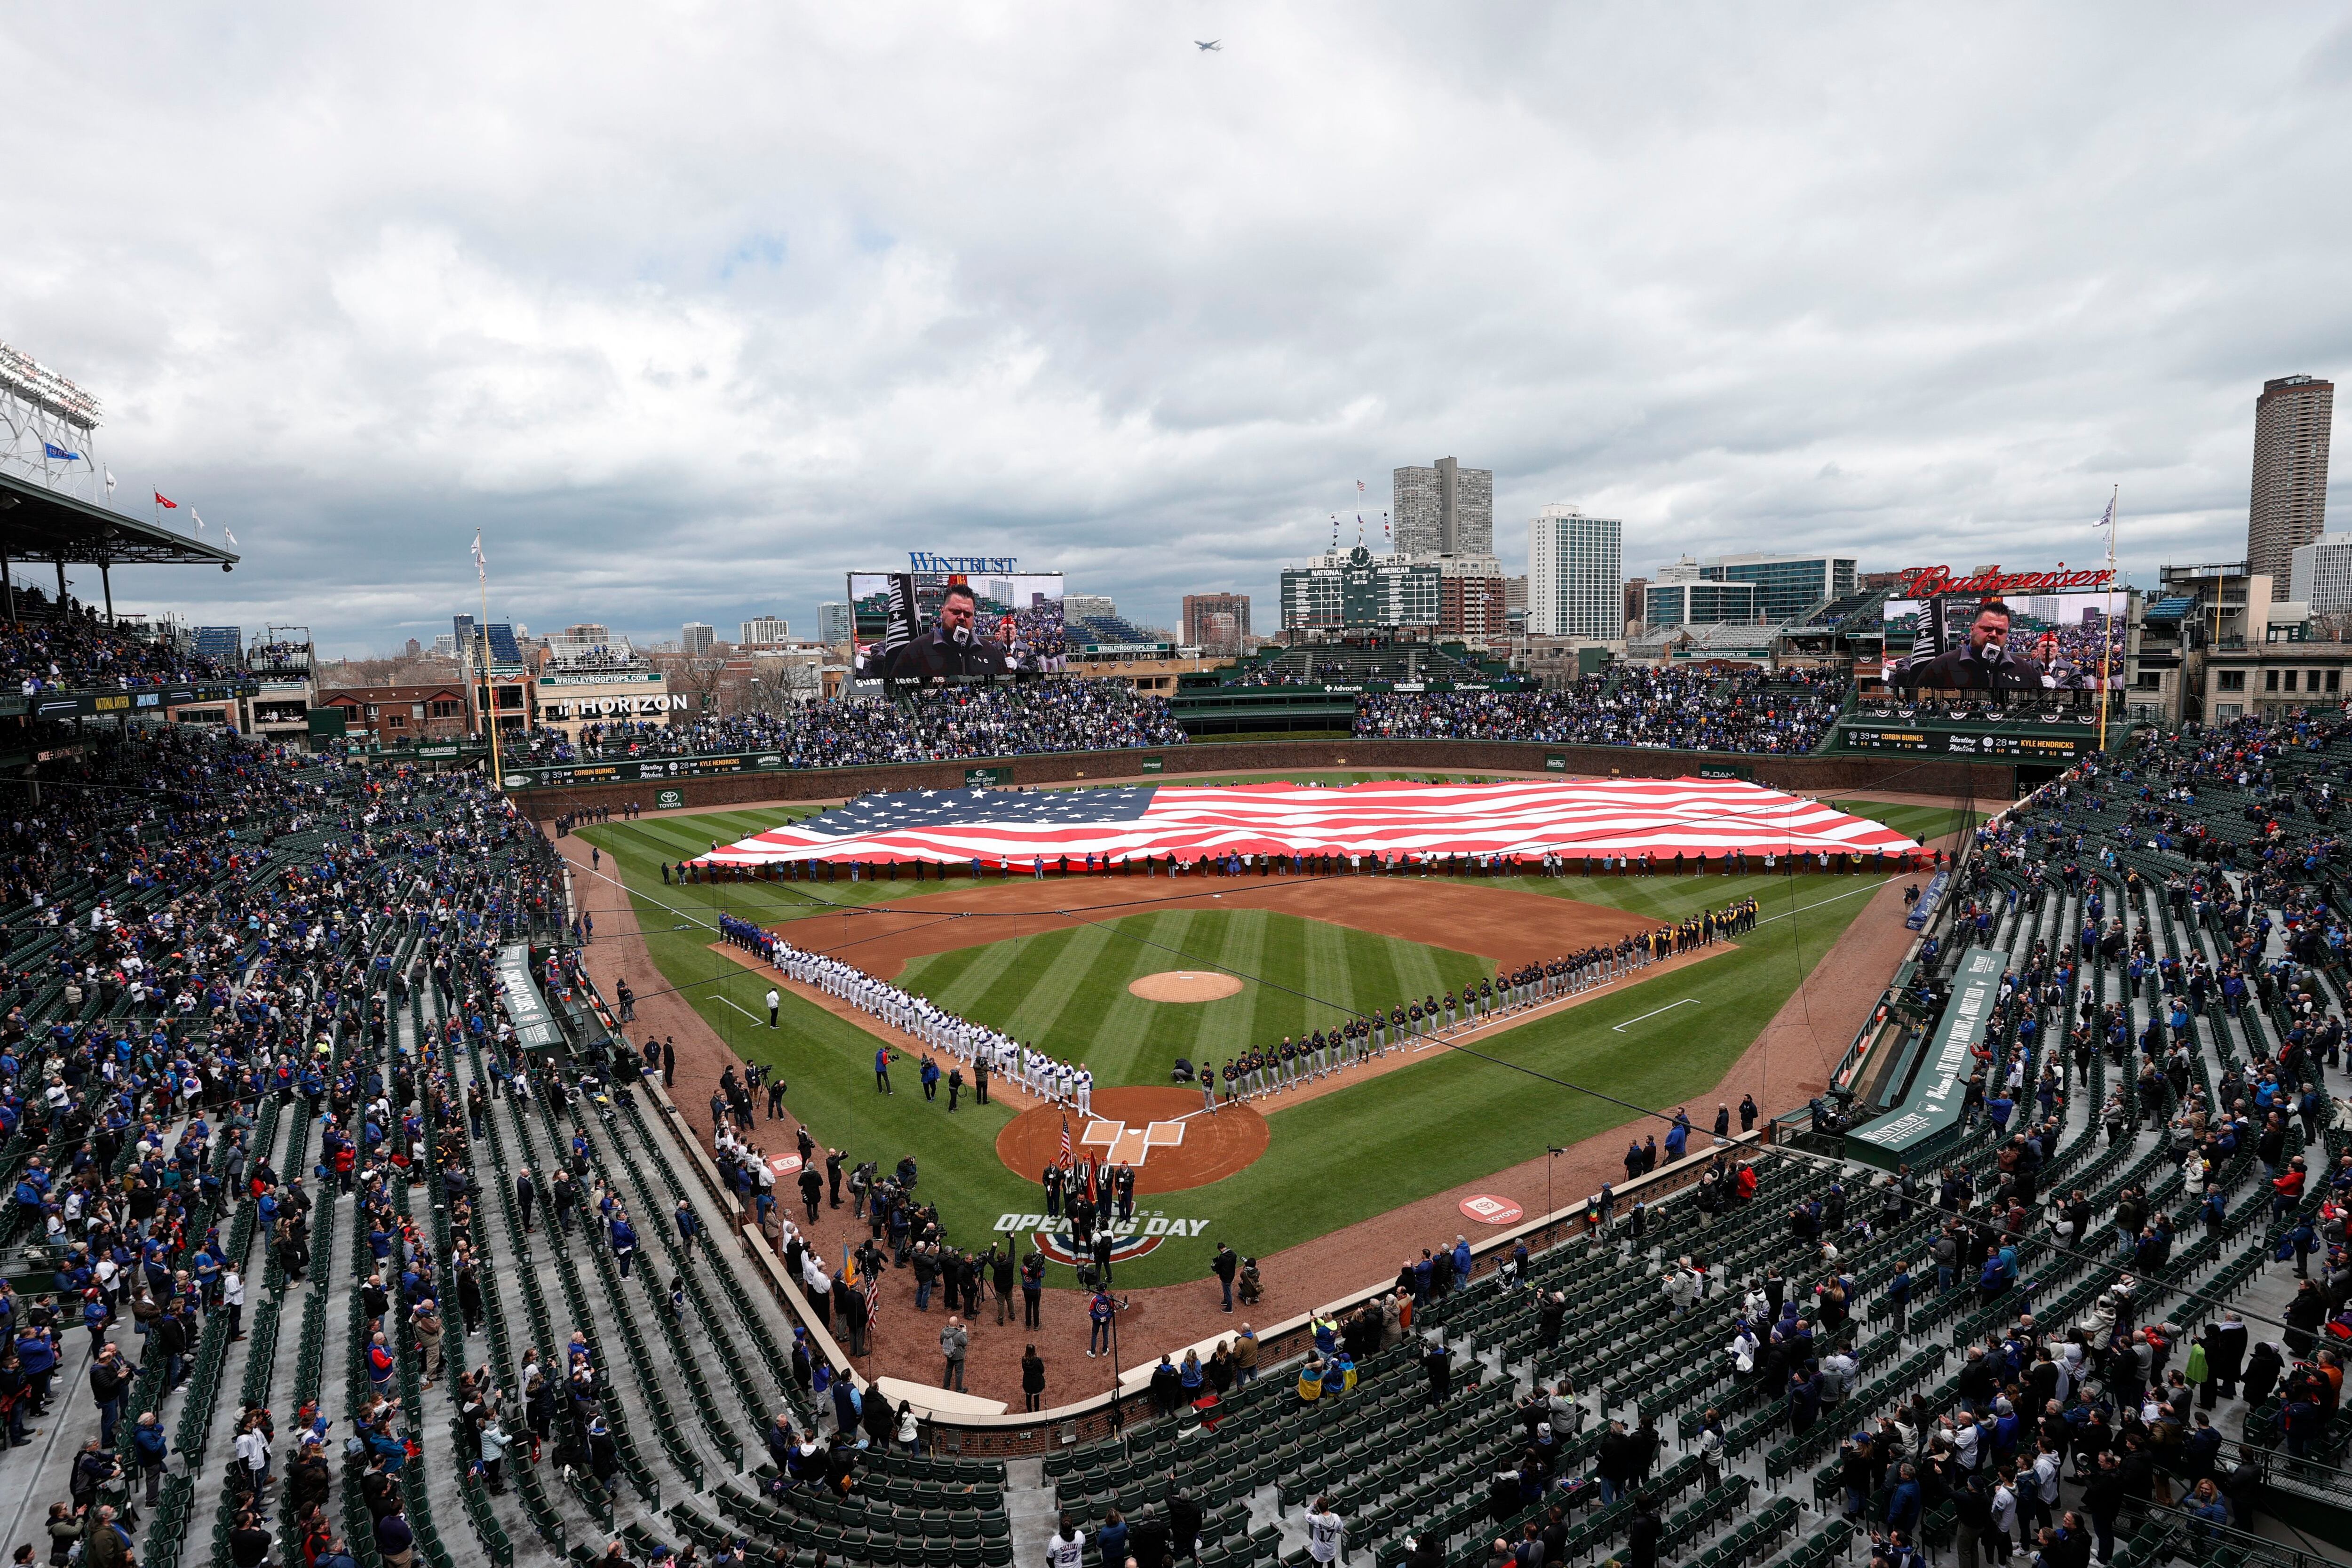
(1021,610)
(2062,632)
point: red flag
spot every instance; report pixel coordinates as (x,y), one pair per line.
(160,500)
(1063,1160)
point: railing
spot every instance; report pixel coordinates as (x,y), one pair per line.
(2173,1533)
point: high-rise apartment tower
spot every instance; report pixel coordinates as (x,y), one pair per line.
(1444,510)
(2289,504)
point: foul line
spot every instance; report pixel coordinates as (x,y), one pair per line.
(1685,1001)
(738,1006)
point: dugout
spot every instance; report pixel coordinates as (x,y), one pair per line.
(1922,1117)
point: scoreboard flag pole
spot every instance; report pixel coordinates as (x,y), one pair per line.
(490,692)
(2107,627)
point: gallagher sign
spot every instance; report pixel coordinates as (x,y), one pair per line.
(1927,582)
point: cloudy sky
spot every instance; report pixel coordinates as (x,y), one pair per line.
(691,309)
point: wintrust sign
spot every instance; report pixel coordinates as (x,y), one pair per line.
(926,561)
(1927,582)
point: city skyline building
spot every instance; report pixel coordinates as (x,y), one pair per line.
(1576,575)
(696,639)
(2287,506)
(1787,585)
(1442,510)
(1699,603)
(2320,578)
(1233,632)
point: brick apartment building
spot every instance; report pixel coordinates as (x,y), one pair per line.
(390,715)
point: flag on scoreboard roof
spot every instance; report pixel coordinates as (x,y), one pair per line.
(161,499)
(1527,818)
(58,454)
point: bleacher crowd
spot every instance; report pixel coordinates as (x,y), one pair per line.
(258,1087)
(1632,706)
(985,722)
(80,651)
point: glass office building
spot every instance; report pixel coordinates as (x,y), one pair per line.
(1699,603)
(1787,585)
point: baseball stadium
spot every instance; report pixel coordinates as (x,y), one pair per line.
(1357,1099)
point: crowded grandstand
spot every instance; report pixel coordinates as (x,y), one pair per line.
(1637,706)
(921,726)
(280,1103)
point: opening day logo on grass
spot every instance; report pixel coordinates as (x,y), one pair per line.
(1133,1238)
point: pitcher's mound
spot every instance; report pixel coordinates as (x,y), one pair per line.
(1185,985)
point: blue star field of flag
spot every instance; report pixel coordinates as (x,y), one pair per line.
(958,808)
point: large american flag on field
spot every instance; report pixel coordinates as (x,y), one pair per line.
(1527,818)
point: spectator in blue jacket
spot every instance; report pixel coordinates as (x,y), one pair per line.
(1905,1502)
(625,1240)
(149,1447)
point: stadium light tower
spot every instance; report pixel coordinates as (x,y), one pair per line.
(46,423)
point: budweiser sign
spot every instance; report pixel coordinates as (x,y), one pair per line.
(1925,581)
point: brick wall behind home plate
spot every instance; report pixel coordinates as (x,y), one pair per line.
(1994,782)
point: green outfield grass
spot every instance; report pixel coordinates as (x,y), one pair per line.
(1923,823)
(1451,1118)
(1066,992)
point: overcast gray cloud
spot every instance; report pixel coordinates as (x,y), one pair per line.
(691,309)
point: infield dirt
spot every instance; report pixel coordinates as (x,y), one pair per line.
(1469,916)
(1214,1145)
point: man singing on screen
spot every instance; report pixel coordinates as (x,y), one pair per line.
(953,646)
(1986,664)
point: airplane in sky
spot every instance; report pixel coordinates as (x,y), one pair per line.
(1212,47)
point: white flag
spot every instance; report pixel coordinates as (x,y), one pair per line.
(2106,518)
(109,482)
(199,517)
(226,535)
(479,564)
